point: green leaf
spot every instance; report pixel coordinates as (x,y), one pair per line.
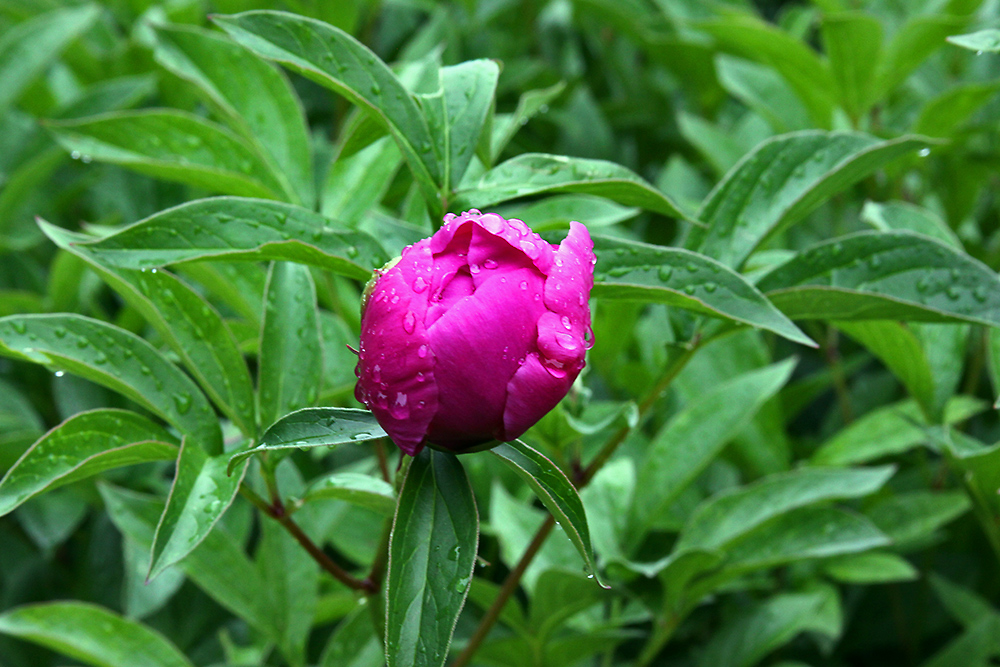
(555,491)
(964,605)
(82,446)
(357,182)
(19,195)
(641,272)
(175,146)
(976,646)
(236,228)
(889,275)
(290,362)
(903,216)
(28,48)
(251,95)
(982,40)
(355,488)
(532,174)
(315,427)
(916,514)
(853,45)
(780,182)
(332,58)
(92,635)
(558,211)
(201,493)
(763,90)
(889,430)
(218,565)
(116,359)
(914,41)
(353,643)
(432,554)
(187,322)
(727,516)
(944,115)
(696,435)
(530,104)
(870,568)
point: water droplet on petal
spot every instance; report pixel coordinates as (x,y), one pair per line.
(377,373)
(419,284)
(492,223)
(566,323)
(409,322)
(473,268)
(422,351)
(490,264)
(524,284)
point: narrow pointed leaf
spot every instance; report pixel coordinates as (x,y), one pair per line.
(332,58)
(530,104)
(983,40)
(236,228)
(82,446)
(635,271)
(780,182)
(358,489)
(175,146)
(432,554)
(315,427)
(468,92)
(290,362)
(201,493)
(116,359)
(889,275)
(555,491)
(536,173)
(251,94)
(92,635)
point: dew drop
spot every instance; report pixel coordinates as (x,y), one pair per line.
(377,373)
(419,284)
(182,402)
(59,374)
(924,152)
(473,268)
(490,264)
(409,322)
(524,284)
(422,351)
(689,289)
(566,323)
(665,272)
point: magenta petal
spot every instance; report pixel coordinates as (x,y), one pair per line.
(561,343)
(396,377)
(572,277)
(478,345)
(531,393)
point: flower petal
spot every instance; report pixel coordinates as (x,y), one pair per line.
(532,392)
(570,280)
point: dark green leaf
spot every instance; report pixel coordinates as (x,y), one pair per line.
(201,493)
(555,491)
(531,103)
(116,359)
(903,216)
(175,146)
(641,272)
(891,275)
(782,181)
(82,446)
(356,182)
(253,97)
(763,90)
(290,361)
(91,634)
(237,228)
(432,554)
(535,173)
(916,514)
(315,427)
(353,643)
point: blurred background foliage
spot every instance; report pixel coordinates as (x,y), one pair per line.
(678,91)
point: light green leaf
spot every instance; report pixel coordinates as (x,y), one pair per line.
(556,212)
(355,488)
(536,173)
(201,493)
(780,182)
(336,60)
(914,42)
(555,491)
(432,554)
(82,446)
(914,515)
(253,97)
(944,115)
(116,359)
(27,48)
(853,45)
(982,40)
(903,216)
(92,635)
(237,228)
(175,146)
(870,568)
(353,643)
(290,361)
(636,271)
(763,90)
(890,275)
(356,182)
(315,427)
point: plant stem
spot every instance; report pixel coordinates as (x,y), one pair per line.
(663,630)
(277,512)
(383,462)
(513,579)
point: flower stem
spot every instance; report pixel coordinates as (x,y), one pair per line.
(513,579)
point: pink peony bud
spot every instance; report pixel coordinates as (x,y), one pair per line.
(474,333)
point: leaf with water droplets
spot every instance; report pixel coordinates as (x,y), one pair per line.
(174,146)
(885,276)
(290,366)
(535,173)
(335,59)
(633,271)
(84,445)
(555,491)
(201,493)
(91,634)
(116,359)
(432,554)
(780,182)
(315,427)
(237,228)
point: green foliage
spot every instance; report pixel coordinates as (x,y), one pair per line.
(781,450)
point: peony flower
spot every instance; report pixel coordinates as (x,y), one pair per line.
(473,334)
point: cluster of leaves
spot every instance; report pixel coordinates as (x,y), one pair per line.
(782,438)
